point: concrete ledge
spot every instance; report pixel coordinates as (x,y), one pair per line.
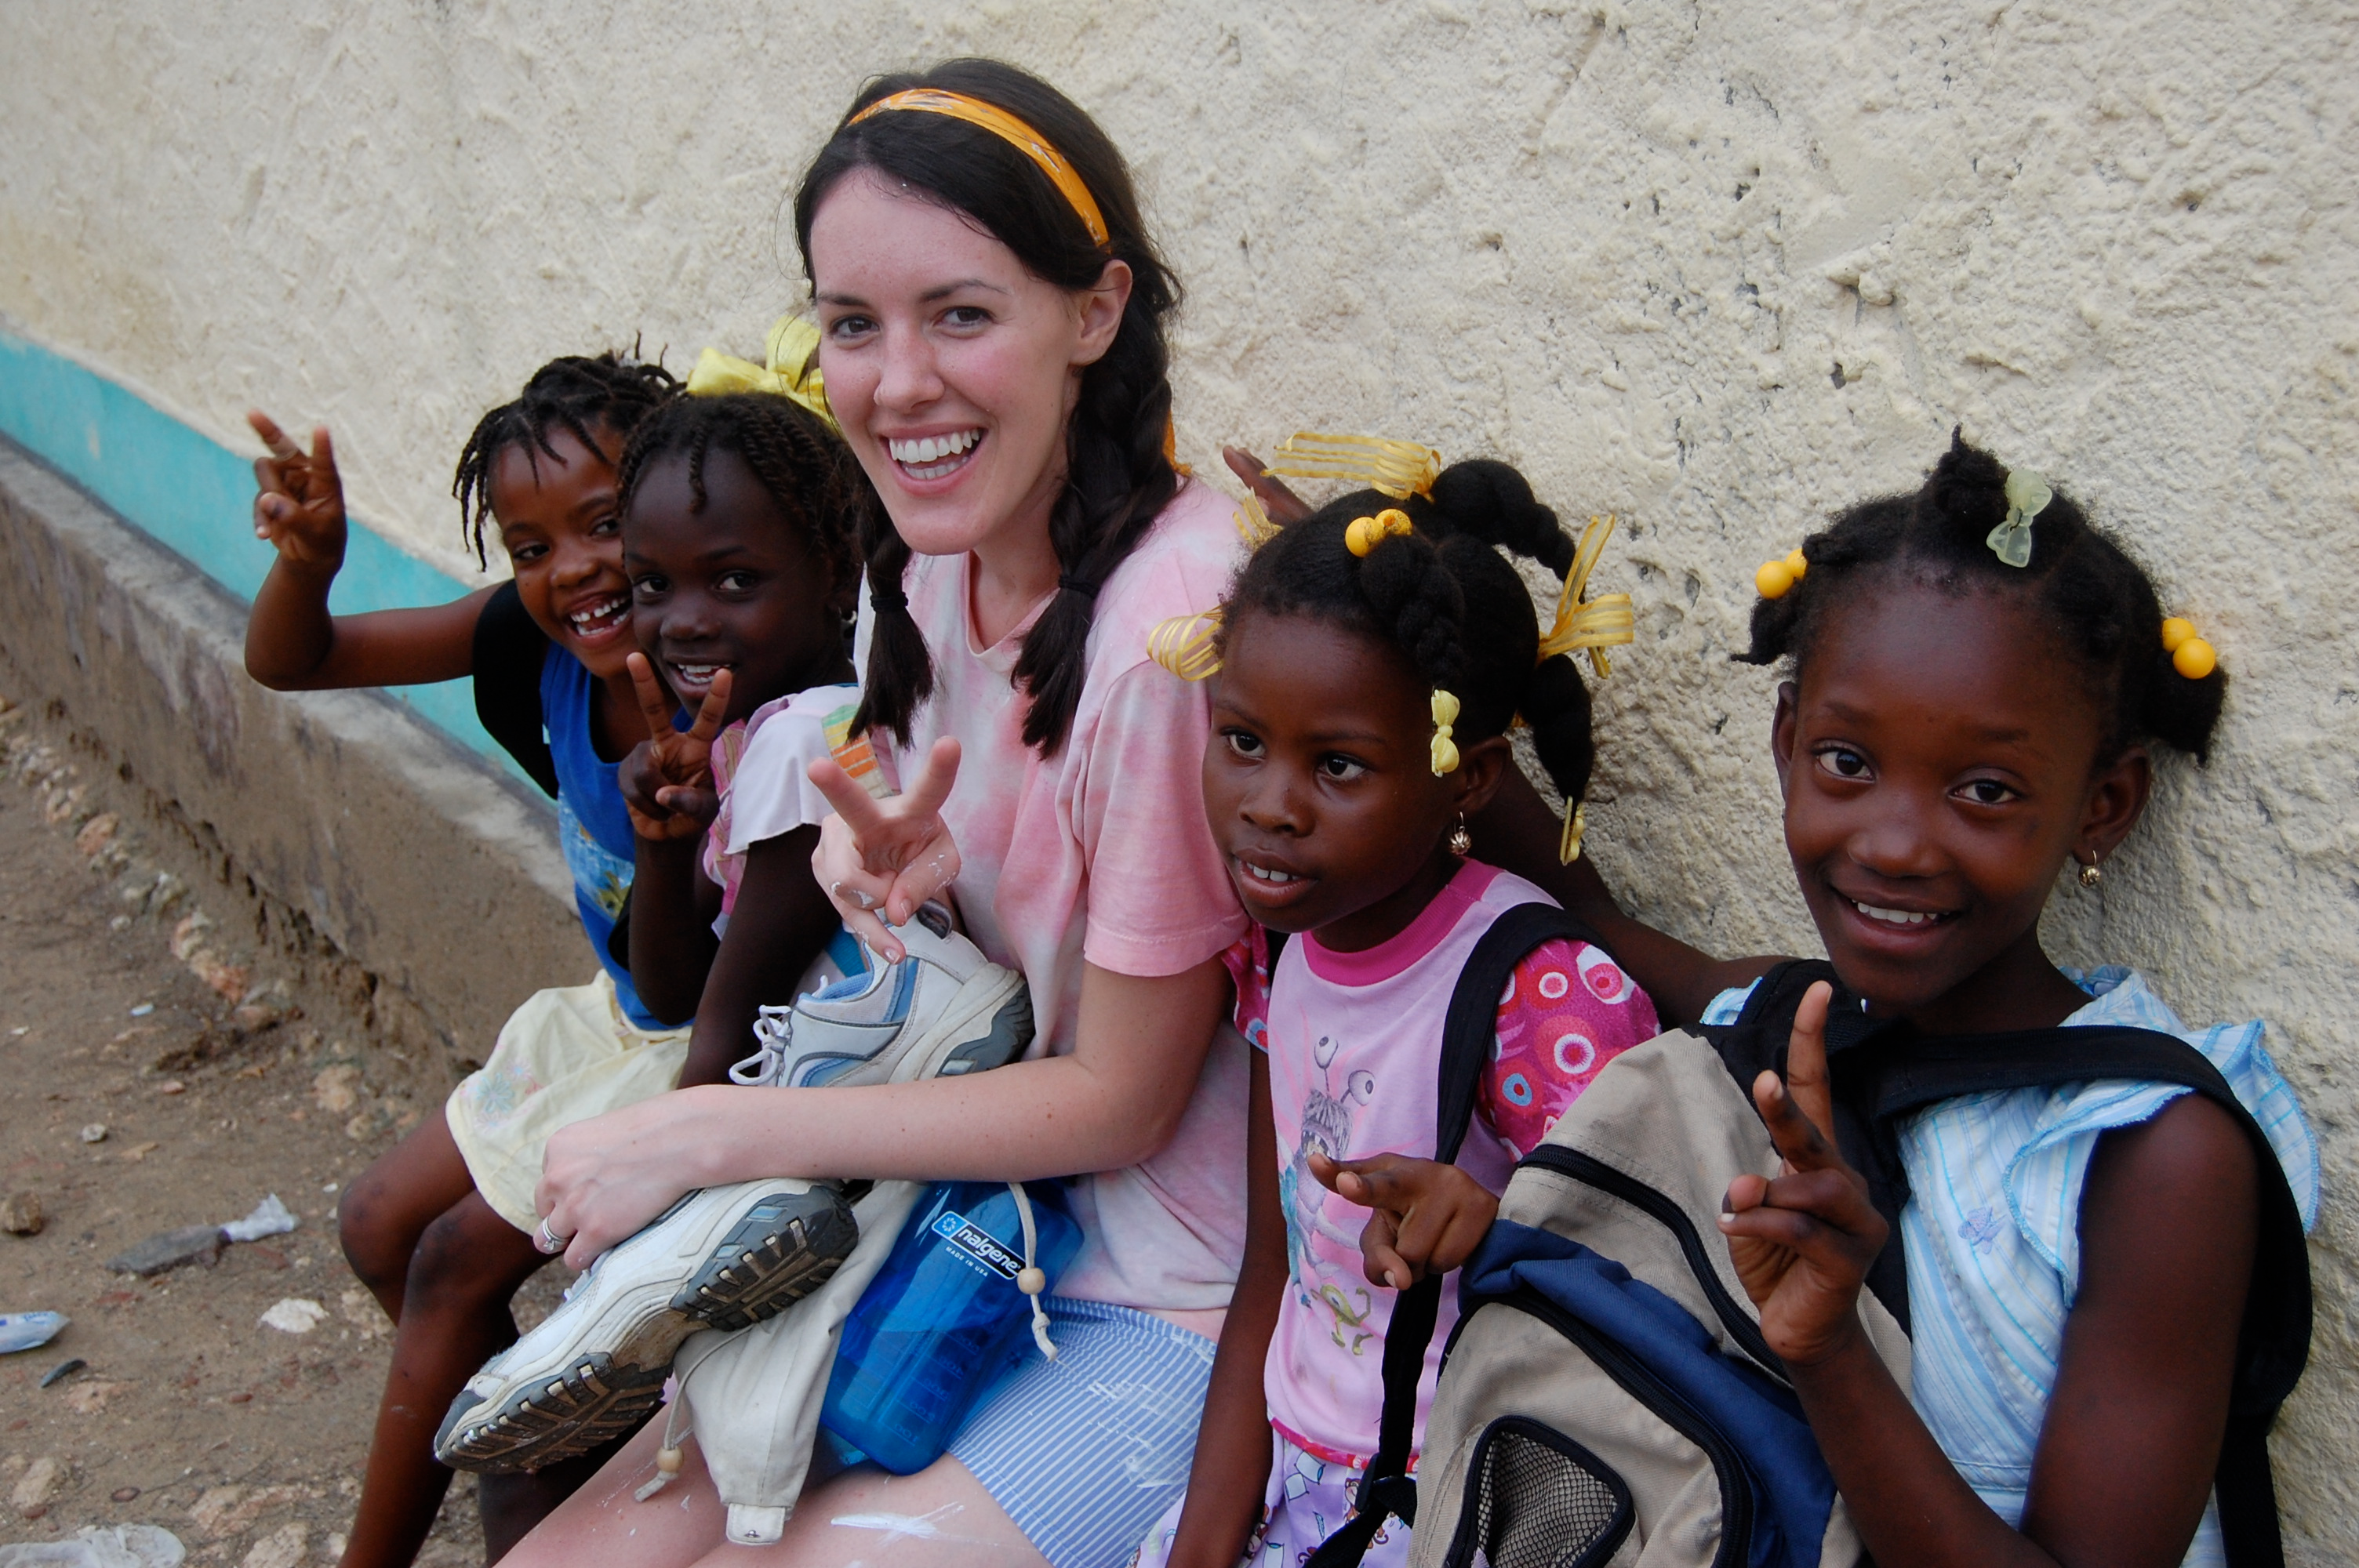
(418,860)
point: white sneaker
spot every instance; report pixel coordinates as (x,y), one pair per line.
(943,1010)
(722,1257)
(731,1256)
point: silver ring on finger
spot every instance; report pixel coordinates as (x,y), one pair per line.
(548,1241)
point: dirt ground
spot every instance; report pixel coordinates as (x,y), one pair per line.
(168,1061)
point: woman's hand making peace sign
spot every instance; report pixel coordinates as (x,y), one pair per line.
(885,858)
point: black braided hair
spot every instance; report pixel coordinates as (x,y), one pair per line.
(586,395)
(805,466)
(1446,598)
(2100,601)
(1118,479)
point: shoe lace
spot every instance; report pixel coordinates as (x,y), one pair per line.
(774,1033)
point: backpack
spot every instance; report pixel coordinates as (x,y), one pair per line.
(1607,1396)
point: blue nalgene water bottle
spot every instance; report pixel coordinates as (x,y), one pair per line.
(941,1320)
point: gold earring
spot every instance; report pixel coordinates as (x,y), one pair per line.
(2091,876)
(1462,843)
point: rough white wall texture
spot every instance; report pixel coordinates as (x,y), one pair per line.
(1718,268)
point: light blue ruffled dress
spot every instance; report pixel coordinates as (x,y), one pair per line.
(1991,1230)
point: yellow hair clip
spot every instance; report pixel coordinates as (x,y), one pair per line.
(1397,469)
(1254,525)
(1576,823)
(1597,623)
(1367,533)
(1186,644)
(1774,579)
(2190,656)
(792,371)
(1445,750)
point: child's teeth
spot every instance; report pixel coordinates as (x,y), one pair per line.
(1269,876)
(1892,916)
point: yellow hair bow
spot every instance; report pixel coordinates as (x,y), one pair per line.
(1253,524)
(1397,469)
(1367,533)
(1597,623)
(1185,645)
(1445,750)
(792,351)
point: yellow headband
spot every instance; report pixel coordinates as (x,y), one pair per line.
(1595,624)
(792,372)
(1008,129)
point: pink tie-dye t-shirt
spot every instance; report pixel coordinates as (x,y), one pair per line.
(1354,1043)
(1100,854)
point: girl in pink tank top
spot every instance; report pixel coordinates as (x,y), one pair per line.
(1373,657)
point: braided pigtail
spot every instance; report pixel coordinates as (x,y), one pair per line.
(900,676)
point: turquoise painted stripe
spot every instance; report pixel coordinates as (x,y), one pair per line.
(195,496)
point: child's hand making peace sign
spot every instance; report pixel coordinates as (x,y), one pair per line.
(666,780)
(1802,1242)
(299,501)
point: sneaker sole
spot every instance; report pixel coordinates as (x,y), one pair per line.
(773,1255)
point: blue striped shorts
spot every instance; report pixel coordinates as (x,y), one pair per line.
(1086,1452)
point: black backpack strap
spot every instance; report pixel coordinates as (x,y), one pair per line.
(509,649)
(2273,1345)
(1469,1033)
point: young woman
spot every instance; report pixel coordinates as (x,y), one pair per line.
(992,321)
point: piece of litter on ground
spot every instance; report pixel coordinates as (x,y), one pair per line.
(143,1009)
(21,1031)
(331,1187)
(63,1370)
(25,1330)
(172,1087)
(271,1218)
(21,1215)
(199,1244)
(295,1314)
(101,1546)
(94,1134)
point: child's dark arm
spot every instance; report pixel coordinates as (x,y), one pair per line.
(2126,1457)
(292,643)
(1232,1440)
(781,922)
(1519,833)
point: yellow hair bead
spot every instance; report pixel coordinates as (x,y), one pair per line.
(1367,533)
(1773,580)
(1445,750)
(2175,630)
(1797,562)
(2194,658)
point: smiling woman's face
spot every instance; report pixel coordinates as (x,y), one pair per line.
(952,368)
(1938,764)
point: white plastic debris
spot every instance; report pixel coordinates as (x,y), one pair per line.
(101,1546)
(271,1218)
(24,1330)
(295,1314)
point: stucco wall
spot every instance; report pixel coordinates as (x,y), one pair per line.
(1717,267)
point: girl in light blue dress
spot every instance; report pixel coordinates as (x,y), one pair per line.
(2103,1279)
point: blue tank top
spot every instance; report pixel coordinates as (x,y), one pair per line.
(592,823)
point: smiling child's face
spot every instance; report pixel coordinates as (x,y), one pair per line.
(557,520)
(734,586)
(1319,782)
(1938,763)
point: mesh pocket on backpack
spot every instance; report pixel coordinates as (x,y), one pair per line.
(1535,1498)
